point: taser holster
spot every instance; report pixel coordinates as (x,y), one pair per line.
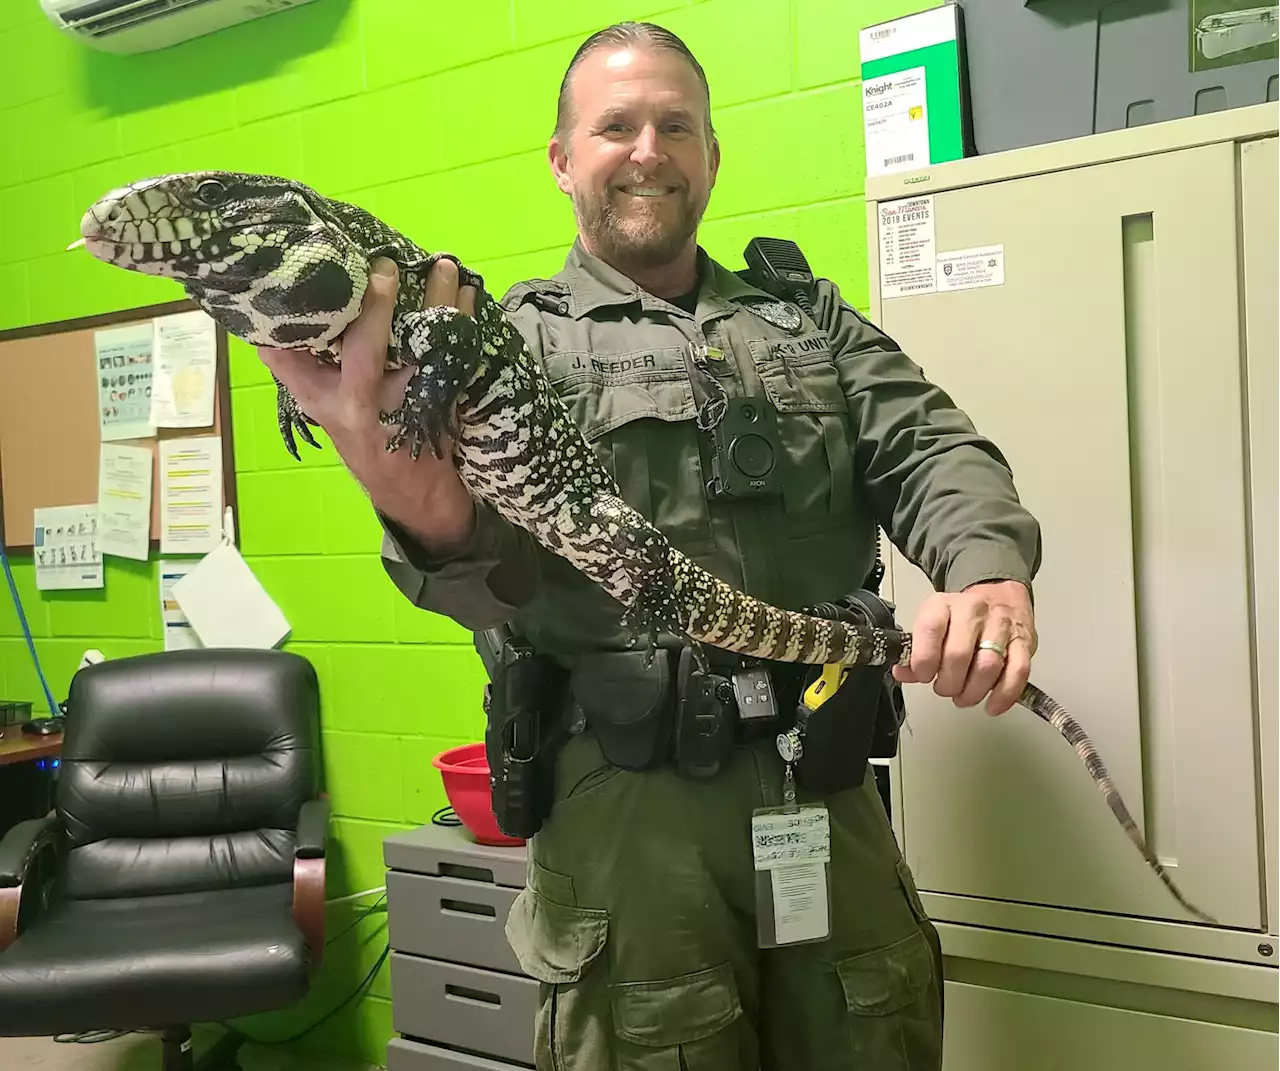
(851,714)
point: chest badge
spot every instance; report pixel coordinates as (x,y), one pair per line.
(779,314)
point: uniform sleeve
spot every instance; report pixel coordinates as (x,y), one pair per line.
(482,585)
(944,493)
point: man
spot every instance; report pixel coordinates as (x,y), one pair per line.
(642,907)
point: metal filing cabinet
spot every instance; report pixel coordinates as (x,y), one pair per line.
(459,998)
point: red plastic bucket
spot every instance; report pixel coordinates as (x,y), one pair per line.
(465,772)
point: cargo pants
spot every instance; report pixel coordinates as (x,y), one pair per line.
(638,920)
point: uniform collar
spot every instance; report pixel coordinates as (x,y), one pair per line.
(593,284)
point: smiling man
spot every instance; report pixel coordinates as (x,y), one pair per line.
(656,940)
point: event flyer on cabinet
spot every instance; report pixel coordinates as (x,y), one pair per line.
(907,249)
(911,264)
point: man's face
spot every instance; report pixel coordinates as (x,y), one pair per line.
(638,160)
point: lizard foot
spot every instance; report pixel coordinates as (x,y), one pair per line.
(290,417)
(443,346)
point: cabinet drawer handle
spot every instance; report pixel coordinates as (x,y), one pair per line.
(466,907)
(477,996)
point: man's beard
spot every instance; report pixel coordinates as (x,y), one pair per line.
(628,242)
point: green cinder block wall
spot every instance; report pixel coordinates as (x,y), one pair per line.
(435,116)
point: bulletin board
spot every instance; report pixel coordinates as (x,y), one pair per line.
(50,431)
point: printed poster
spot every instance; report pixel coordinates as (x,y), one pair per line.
(908,249)
(124,501)
(66,548)
(1227,33)
(178,633)
(185,373)
(123,361)
(190,494)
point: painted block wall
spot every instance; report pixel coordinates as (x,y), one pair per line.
(436,117)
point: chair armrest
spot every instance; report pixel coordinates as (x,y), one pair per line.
(313,829)
(310,843)
(19,848)
(22,844)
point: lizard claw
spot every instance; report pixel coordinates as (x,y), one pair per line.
(442,344)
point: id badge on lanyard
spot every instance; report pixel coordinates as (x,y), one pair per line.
(791,851)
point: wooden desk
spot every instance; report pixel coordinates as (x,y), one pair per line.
(17,746)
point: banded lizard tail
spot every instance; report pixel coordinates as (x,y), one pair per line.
(278,264)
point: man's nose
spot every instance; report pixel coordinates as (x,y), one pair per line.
(647,149)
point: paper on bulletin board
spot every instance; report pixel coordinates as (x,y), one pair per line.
(178,633)
(66,549)
(186,360)
(124,501)
(124,362)
(190,494)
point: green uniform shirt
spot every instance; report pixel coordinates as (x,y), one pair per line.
(866,439)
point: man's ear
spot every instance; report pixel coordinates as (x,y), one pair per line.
(558,158)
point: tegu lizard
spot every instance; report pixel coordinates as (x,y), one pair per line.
(280,265)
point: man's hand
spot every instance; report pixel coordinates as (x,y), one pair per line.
(426,497)
(944,644)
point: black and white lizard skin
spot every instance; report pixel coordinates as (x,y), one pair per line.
(277,264)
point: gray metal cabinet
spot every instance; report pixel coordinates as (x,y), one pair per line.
(459,998)
(1105,310)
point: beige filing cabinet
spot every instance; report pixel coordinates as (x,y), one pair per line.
(1105,310)
(459,1000)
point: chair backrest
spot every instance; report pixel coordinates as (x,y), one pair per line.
(183,771)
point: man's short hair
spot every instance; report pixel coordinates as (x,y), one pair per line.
(628,33)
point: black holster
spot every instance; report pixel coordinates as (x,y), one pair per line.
(524,705)
(625,697)
(862,720)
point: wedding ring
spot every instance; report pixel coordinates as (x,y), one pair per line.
(993,645)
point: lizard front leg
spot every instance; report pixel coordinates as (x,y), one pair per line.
(443,347)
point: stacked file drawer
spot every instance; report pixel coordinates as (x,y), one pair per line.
(459,998)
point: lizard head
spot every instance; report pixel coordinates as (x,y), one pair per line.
(257,253)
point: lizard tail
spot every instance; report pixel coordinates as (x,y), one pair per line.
(717,614)
(1056,715)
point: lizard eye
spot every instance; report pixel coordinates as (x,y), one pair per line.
(211,192)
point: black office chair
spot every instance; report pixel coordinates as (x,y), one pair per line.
(184,855)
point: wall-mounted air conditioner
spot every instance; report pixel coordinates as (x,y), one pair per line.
(146,25)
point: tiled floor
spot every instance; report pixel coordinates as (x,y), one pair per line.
(136,1052)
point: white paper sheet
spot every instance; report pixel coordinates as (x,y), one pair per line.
(190,494)
(227,605)
(186,361)
(123,365)
(124,501)
(66,548)
(971,269)
(178,633)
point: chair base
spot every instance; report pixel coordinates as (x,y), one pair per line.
(178,1056)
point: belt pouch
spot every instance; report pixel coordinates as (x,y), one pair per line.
(837,737)
(861,720)
(627,704)
(704,719)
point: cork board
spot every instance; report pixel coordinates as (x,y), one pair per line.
(50,432)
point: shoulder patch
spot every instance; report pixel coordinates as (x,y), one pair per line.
(781,314)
